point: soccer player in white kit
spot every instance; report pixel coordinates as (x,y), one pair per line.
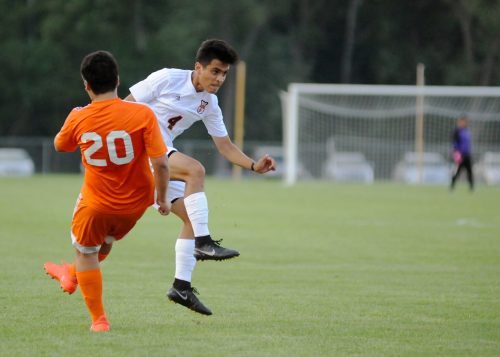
(180,98)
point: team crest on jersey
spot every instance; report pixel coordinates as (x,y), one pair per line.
(202,107)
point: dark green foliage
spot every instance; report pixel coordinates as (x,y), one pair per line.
(43,42)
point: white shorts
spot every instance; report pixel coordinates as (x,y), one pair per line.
(175,188)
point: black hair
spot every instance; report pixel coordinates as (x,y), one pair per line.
(216,49)
(100,70)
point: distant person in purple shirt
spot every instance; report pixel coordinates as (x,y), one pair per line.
(461,142)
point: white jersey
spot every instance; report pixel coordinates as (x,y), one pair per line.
(170,93)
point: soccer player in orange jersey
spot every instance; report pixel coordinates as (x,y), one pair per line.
(116,139)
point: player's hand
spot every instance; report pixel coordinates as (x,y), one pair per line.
(164,207)
(265,164)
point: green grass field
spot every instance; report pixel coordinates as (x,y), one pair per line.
(326,270)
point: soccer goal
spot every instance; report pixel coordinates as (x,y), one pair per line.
(389,132)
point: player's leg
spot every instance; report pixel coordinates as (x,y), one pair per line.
(65,273)
(92,229)
(89,276)
(192,173)
(181,291)
(468,169)
(89,230)
(456,174)
(104,251)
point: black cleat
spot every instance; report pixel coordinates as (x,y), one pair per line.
(209,249)
(188,299)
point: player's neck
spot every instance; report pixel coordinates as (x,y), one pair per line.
(196,82)
(104,96)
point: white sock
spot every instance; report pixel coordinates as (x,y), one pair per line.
(197,210)
(184,259)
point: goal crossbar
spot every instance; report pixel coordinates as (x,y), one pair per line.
(393,90)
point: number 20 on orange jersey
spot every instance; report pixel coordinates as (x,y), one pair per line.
(110,141)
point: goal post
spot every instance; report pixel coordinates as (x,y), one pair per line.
(378,122)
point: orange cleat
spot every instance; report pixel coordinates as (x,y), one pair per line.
(62,273)
(99,325)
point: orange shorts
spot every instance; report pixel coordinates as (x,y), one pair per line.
(91,228)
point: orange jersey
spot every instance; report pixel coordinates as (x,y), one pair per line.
(116,138)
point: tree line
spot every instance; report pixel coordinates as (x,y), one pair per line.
(327,41)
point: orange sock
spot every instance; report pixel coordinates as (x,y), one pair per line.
(91,287)
(72,269)
(101,257)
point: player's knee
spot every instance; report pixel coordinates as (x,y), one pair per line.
(197,171)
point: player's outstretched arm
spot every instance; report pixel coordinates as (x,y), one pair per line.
(161,174)
(233,154)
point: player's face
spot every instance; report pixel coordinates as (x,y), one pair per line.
(212,76)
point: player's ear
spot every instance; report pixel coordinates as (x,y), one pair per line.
(117,81)
(198,66)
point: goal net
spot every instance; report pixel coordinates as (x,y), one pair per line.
(381,132)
